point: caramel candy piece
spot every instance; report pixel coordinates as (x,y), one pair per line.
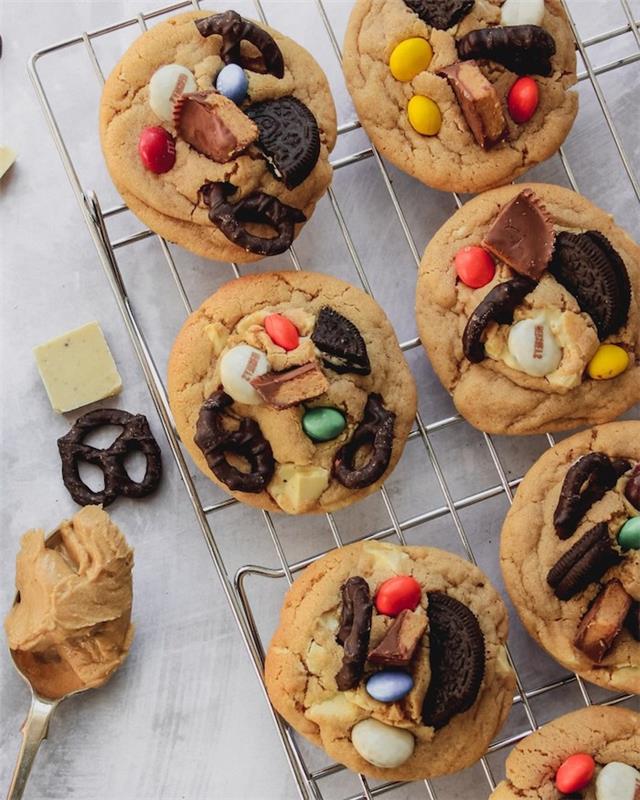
(213,125)
(401,640)
(603,621)
(285,389)
(479,102)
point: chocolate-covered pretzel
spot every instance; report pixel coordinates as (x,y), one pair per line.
(376,430)
(524,49)
(234,29)
(354,632)
(136,435)
(257,207)
(247,441)
(632,489)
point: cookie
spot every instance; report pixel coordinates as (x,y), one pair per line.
(576,586)
(218,147)
(596,749)
(300,377)
(528,331)
(392,659)
(458,95)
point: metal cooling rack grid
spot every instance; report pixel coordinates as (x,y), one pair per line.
(311,782)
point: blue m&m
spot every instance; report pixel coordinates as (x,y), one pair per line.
(232,83)
(390,685)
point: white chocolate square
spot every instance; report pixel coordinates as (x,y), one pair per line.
(7,157)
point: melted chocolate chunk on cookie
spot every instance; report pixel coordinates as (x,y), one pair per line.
(354,632)
(246,441)
(234,29)
(589,267)
(136,436)
(586,482)
(497,306)
(288,136)
(456,656)
(632,622)
(375,432)
(341,343)
(258,208)
(585,562)
(440,14)
(523,49)
(632,488)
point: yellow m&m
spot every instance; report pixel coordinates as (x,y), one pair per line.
(609,361)
(424,115)
(410,58)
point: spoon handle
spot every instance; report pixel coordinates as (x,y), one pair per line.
(34,730)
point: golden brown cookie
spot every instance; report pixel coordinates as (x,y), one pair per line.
(300,377)
(609,735)
(475,126)
(572,574)
(229,176)
(528,305)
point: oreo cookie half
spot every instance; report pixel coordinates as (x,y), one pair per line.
(288,136)
(456,656)
(589,267)
(341,343)
(440,14)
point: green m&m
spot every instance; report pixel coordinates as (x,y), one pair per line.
(629,534)
(323,423)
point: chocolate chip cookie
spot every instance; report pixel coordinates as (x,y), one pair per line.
(528,305)
(392,659)
(570,554)
(290,391)
(590,754)
(462,95)
(216,132)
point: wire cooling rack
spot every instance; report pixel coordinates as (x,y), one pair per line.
(319,782)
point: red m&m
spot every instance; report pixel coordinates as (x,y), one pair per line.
(575,773)
(396,594)
(282,331)
(523,99)
(474,266)
(157,149)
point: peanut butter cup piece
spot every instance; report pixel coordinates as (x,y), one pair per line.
(440,14)
(213,125)
(603,621)
(399,643)
(293,386)
(585,562)
(523,49)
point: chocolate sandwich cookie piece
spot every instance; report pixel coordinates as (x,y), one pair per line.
(522,236)
(246,441)
(258,207)
(340,342)
(456,657)
(440,14)
(288,136)
(589,267)
(135,436)
(523,49)
(293,386)
(234,29)
(586,482)
(354,631)
(376,432)
(497,306)
(585,562)
(603,621)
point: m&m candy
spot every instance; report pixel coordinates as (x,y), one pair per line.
(321,424)
(382,745)
(629,534)
(282,331)
(575,773)
(389,685)
(424,115)
(232,82)
(533,347)
(157,149)
(608,362)
(166,85)
(396,594)
(523,99)
(522,12)
(475,266)
(238,367)
(410,58)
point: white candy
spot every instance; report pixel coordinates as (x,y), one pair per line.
(617,781)
(522,12)
(238,366)
(166,85)
(534,347)
(382,745)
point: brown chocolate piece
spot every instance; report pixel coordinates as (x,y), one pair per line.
(258,207)
(522,236)
(479,102)
(247,441)
(375,431)
(213,125)
(441,14)
(354,632)
(632,622)
(497,306)
(293,386)
(586,482)
(524,49)
(234,29)
(632,488)
(586,561)
(399,643)
(603,621)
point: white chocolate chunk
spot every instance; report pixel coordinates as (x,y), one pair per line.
(382,745)
(522,12)
(7,158)
(337,711)
(166,85)
(77,368)
(389,557)
(296,488)
(533,347)
(218,336)
(617,781)
(238,367)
